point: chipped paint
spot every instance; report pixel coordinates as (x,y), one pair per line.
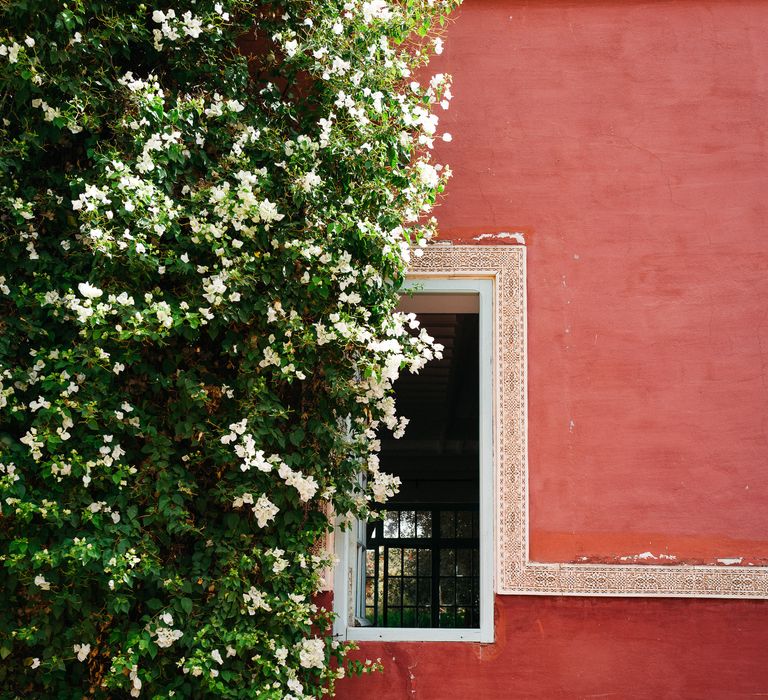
(412,679)
(609,547)
(648,556)
(635,557)
(669,559)
(517,236)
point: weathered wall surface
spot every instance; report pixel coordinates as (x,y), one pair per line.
(558,648)
(627,141)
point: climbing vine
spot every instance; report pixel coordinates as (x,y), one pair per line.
(206,212)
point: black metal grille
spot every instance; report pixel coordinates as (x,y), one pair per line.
(422,567)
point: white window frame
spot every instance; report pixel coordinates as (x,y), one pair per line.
(346,545)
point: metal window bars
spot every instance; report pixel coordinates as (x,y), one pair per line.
(422,567)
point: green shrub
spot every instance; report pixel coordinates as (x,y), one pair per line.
(206,213)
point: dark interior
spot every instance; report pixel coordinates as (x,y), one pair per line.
(437,459)
(422,558)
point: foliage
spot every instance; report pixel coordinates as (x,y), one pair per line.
(206,213)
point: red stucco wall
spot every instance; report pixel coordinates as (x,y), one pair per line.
(556,648)
(627,141)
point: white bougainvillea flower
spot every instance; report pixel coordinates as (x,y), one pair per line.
(265,511)
(82,651)
(89,291)
(312,653)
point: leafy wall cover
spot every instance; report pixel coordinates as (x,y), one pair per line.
(206,212)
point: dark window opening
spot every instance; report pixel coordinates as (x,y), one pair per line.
(422,558)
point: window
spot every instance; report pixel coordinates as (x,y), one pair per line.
(422,567)
(425,570)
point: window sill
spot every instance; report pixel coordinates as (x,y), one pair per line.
(418,634)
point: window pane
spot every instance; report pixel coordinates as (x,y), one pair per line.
(407,523)
(424,523)
(409,591)
(425,617)
(464,592)
(447,591)
(390,524)
(393,593)
(393,618)
(463,617)
(395,565)
(447,524)
(409,617)
(447,562)
(447,617)
(409,562)
(464,562)
(464,524)
(425,591)
(425,562)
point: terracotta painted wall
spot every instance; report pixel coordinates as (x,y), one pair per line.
(557,648)
(627,141)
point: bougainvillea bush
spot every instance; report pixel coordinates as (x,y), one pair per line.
(206,211)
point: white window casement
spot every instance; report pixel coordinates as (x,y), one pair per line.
(426,570)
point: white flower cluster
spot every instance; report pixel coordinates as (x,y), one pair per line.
(374,10)
(133,676)
(305,485)
(30,439)
(384,486)
(157,316)
(295,686)
(311,652)
(255,600)
(8,474)
(279,563)
(10,51)
(245,448)
(120,566)
(102,507)
(173,28)
(49,113)
(110,455)
(164,634)
(150,87)
(263,508)
(82,651)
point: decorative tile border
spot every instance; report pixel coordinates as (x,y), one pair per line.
(514,572)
